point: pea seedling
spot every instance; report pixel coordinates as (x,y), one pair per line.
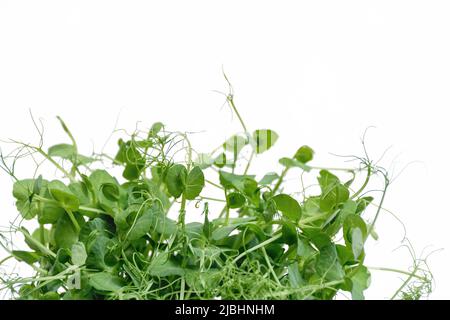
(100,236)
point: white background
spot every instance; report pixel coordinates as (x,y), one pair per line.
(317,72)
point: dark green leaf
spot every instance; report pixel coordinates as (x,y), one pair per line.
(235,200)
(176,180)
(288,206)
(104,281)
(194,183)
(26,256)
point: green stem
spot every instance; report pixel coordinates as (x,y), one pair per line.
(233,106)
(182,288)
(366,182)
(181,218)
(212,199)
(280,180)
(56,164)
(249,162)
(399,271)
(74,221)
(262,244)
(39,245)
(227,210)
(6,259)
(266,257)
(214,184)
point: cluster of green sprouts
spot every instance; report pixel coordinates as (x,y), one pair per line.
(101,236)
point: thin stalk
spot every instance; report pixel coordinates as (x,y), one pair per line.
(233,106)
(266,257)
(262,244)
(366,182)
(213,184)
(212,199)
(249,162)
(74,221)
(280,179)
(227,210)
(39,245)
(56,164)
(399,271)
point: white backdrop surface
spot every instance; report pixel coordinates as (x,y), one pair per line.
(317,72)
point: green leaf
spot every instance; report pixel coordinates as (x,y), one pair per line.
(110,191)
(163,266)
(289,232)
(176,180)
(36,235)
(355,233)
(222,232)
(328,264)
(295,278)
(65,233)
(288,206)
(304,249)
(68,152)
(304,154)
(98,249)
(61,193)
(50,213)
(155,129)
(333,191)
(235,144)
(263,140)
(78,254)
(360,282)
(23,192)
(65,151)
(26,256)
(194,183)
(104,281)
(152,219)
(242,183)
(269,178)
(204,160)
(235,200)
(292,163)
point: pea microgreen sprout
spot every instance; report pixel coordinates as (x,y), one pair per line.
(134,235)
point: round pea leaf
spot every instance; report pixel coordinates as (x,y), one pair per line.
(194,183)
(304,154)
(235,200)
(61,193)
(288,206)
(176,180)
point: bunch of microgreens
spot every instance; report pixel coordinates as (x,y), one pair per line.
(98,238)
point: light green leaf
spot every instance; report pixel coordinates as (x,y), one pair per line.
(304,154)
(79,254)
(263,140)
(292,163)
(61,193)
(269,178)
